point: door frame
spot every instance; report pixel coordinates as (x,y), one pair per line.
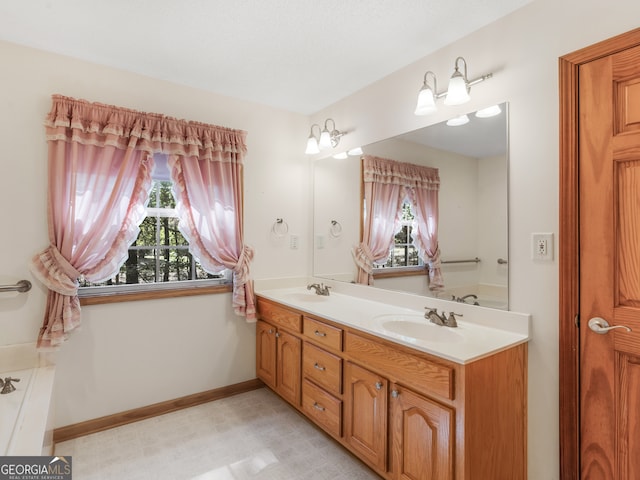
(569,246)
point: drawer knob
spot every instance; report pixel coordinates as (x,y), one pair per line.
(320,334)
(317,406)
(378,385)
(319,367)
(394,394)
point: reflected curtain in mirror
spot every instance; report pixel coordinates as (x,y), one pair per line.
(387,184)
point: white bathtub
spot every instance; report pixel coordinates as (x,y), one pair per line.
(25,414)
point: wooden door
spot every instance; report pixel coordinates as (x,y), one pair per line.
(422,437)
(266,353)
(366,414)
(609,223)
(288,367)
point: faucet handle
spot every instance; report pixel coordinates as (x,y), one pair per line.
(7,387)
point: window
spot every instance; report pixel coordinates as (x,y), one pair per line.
(403,253)
(159,257)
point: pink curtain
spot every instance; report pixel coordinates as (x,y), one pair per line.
(208,191)
(423,194)
(386,184)
(100,162)
(99,178)
(383,201)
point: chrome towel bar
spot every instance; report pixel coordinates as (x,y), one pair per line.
(22,286)
(472,260)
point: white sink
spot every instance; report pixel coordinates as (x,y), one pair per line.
(305,297)
(415,326)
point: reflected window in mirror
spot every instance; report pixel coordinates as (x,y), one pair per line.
(403,253)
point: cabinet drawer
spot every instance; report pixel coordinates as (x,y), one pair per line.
(412,370)
(322,334)
(279,316)
(322,408)
(322,368)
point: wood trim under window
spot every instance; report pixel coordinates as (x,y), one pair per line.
(569,243)
(154,294)
(400,272)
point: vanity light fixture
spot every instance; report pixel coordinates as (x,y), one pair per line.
(326,139)
(340,156)
(456,94)
(427,96)
(312,142)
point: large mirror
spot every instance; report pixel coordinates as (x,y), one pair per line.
(472,160)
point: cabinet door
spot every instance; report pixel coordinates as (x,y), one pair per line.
(422,437)
(288,367)
(366,414)
(266,353)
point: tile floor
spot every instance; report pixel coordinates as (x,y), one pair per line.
(254,435)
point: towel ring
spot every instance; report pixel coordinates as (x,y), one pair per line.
(335,230)
(280,228)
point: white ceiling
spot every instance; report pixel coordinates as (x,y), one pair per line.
(298,55)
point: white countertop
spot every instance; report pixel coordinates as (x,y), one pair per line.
(480,332)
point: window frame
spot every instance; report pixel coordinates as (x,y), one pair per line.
(101,294)
(402,270)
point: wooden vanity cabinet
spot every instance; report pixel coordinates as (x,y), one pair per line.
(279,350)
(422,436)
(366,414)
(278,355)
(407,414)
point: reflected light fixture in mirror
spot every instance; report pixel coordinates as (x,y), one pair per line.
(354,152)
(457,121)
(456,94)
(491,111)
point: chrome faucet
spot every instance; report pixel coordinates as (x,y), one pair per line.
(321,289)
(7,386)
(464,299)
(441,319)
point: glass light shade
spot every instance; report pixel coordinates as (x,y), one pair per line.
(426,102)
(340,156)
(491,111)
(457,93)
(325,140)
(312,146)
(355,151)
(457,121)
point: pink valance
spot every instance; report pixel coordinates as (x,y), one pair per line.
(105,125)
(385,171)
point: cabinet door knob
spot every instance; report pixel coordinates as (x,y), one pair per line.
(270,331)
(319,367)
(378,385)
(277,334)
(320,334)
(317,406)
(394,394)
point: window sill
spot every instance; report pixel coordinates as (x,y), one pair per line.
(153,294)
(400,272)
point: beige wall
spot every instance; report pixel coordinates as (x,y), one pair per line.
(138,353)
(522,51)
